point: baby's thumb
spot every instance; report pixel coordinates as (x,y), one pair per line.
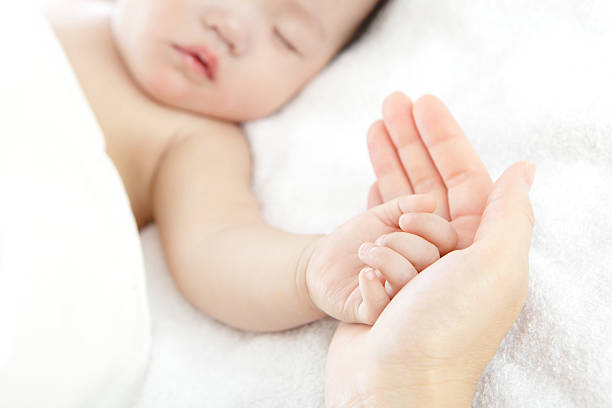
(508,214)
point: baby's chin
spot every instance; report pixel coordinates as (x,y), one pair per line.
(217,105)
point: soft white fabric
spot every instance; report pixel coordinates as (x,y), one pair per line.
(527,80)
(74,323)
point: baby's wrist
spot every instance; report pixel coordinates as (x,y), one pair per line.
(301,275)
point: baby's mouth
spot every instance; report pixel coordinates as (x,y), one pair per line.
(200,59)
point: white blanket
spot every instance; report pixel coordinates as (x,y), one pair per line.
(74,322)
(527,80)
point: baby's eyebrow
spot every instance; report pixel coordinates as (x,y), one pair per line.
(311,20)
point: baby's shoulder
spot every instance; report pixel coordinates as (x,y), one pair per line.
(83,30)
(223,138)
(80,20)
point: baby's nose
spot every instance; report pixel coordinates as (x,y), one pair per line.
(231,29)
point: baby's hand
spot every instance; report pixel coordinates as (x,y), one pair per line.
(395,258)
(411,238)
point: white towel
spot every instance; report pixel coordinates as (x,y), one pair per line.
(526,80)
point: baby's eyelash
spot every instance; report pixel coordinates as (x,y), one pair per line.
(285,41)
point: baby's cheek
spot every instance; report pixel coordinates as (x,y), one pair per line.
(263,92)
(251,102)
(160,82)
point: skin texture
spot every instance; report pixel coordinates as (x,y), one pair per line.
(267,50)
(191,173)
(421,149)
(337,261)
(431,344)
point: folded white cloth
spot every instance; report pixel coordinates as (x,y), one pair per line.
(527,80)
(74,323)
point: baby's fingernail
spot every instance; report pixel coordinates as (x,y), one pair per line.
(381,240)
(368,273)
(389,289)
(405,220)
(366,248)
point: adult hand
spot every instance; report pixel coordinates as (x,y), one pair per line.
(432,343)
(421,149)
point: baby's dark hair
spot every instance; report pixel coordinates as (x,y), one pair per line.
(365,24)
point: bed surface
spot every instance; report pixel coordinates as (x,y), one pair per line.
(526,80)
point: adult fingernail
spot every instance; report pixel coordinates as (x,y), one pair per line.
(530,170)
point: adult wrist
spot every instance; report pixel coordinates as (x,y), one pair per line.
(395,389)
(435,397)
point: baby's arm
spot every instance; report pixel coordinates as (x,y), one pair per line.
(394,259)
(223,256)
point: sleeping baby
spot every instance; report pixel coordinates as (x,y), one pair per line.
(170,83)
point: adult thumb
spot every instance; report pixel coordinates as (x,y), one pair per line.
(509,214)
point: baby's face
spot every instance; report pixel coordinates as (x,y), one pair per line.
(232,59)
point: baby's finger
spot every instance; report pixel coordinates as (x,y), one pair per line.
(395,268)
(381,277)
(433,228)
(417,250)
(374,297)
(391,211)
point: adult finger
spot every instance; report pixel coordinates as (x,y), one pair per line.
(465,176)
(413,155)
(374,197)
(509,214)
(392,180)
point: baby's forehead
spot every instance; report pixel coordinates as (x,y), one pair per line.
(330,17)
(308,13)
(336,9)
